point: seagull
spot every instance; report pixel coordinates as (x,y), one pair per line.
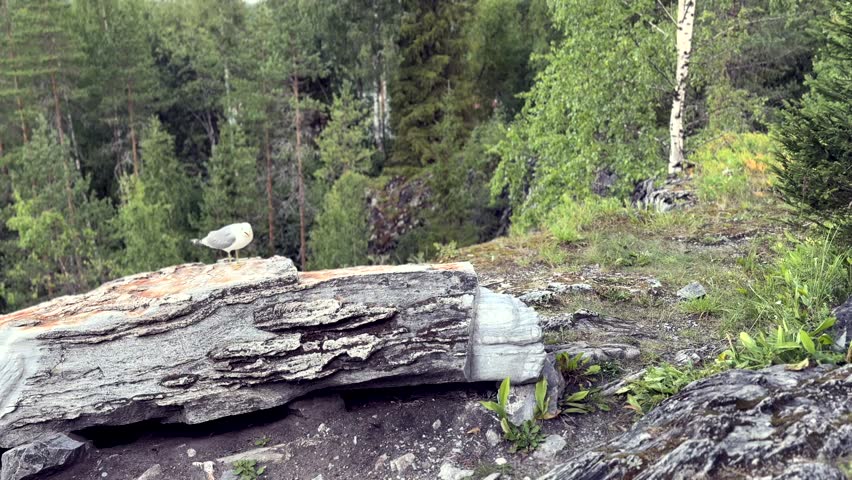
(230,238)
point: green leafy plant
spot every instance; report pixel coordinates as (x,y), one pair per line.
(263,441)
(248,469)
(542,401)
(576,369)
(585,401)
(784,345)
(526,437)
(659,383)
(499,407)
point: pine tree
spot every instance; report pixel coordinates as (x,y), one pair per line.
(231,194)
(431,44)
(119,74)
(341,235)
(816,134)
(42,58)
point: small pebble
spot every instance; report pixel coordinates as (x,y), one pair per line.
(500,461)
(190,452)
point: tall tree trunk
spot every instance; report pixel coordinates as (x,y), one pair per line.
(18,100)
(57,109)
(270,211)
(301,179)
(685,23)
(132,129)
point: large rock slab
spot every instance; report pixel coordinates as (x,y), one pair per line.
(194,343)
(42,457)
(771,423)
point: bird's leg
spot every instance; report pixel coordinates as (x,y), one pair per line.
(237,253)
(229,255)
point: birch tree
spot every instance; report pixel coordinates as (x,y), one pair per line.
(685,22)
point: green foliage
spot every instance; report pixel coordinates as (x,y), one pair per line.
(542,401)
(799,289)
(150,241)
(570,129)
(231,193)
(733,168)
(576,369)
(784,345)
(341,233)
(659,383)
(248,469)
(585,401)
(815,154)
(59,228)
(525,437)
(431,69)
(622,250)
(571,219)
(263,441)
(344,144)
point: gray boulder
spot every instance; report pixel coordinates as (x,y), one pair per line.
(841,332)
(692,291)
(771,423)
(40,458)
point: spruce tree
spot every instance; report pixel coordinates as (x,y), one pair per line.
(231,194)
(59,229)
(341,235)
(153,217)
(816,134)
(345,143)
(431,45)
(150,241)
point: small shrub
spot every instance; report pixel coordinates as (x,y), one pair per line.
(570,220)
(576,369)
(248,469)
(527,436)
(263,441)
(552,254)
(446,252)
(733,167)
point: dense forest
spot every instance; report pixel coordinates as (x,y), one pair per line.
(367,131)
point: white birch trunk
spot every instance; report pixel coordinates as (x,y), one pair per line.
(685,23)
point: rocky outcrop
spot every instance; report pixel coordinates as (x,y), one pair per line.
(41,457)
(194,343)
(771,423)
(841,332)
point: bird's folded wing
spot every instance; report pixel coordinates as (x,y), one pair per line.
(221,239)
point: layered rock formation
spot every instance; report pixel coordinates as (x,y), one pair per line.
(772,423)
(196,342)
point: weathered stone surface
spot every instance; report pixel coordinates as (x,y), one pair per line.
(42,457)
(506,340)
(771,423)
(194,343)
(537,297)
(153,473)
(551,445)
(555,383)
(403,462)
(451,472)
(692,291)
(598,353)
(841,332)
(521,406)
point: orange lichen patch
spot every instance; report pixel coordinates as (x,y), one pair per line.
(325,275)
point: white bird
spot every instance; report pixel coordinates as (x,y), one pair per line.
(230,238)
